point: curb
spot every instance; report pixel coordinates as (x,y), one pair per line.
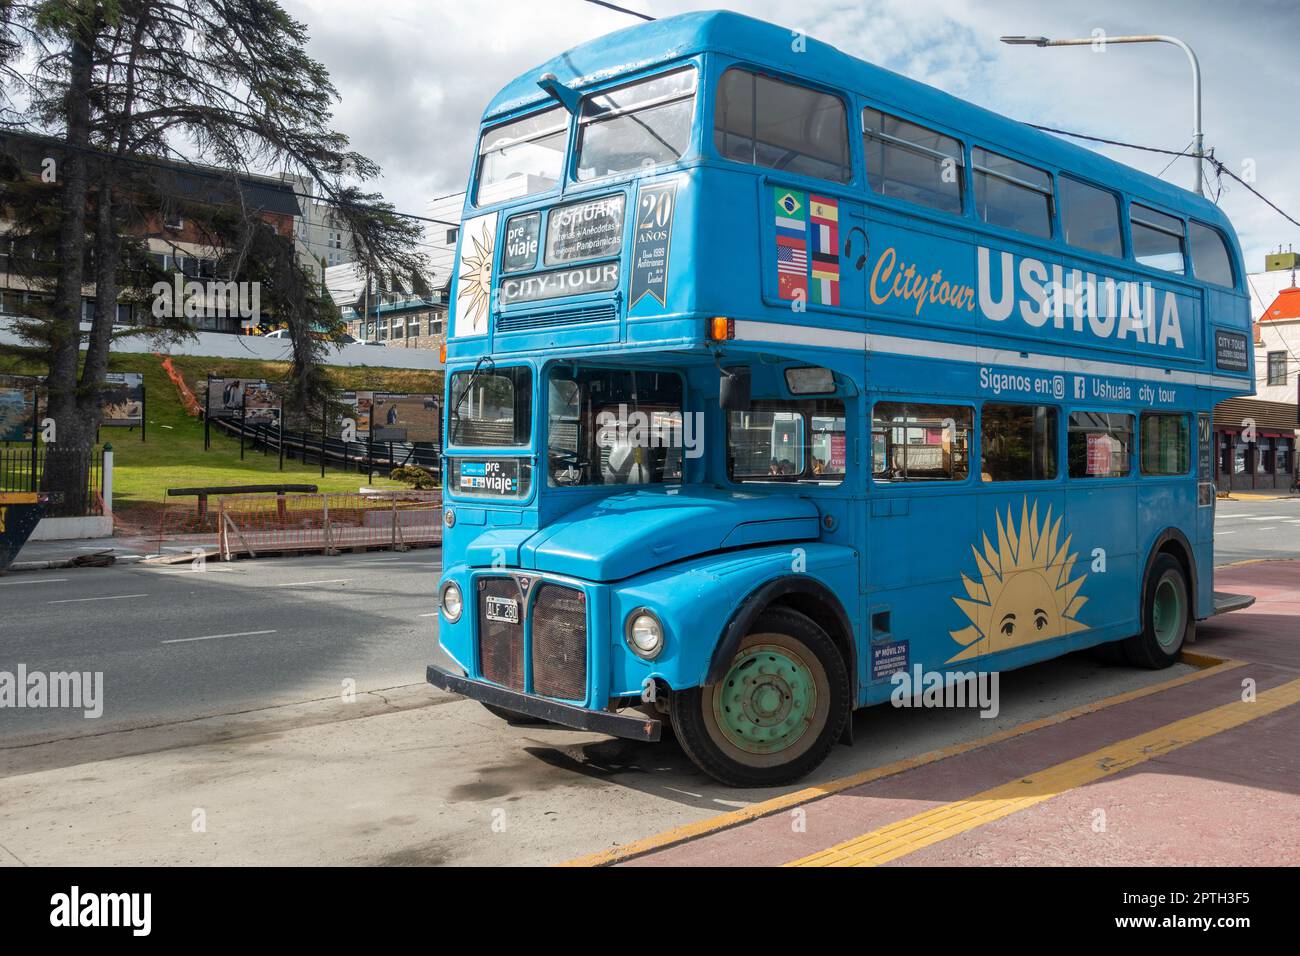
(66,564)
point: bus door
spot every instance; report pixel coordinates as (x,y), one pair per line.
(921,511)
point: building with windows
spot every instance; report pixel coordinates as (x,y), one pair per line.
(320,234)
(176,243)
(384,313)
(1256,438)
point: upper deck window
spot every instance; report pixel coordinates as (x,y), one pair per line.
(768,122)
(1157,239)
(912,162)
(1012,194)
(1210,259)
(641,124)
(522,157)
(1090,218)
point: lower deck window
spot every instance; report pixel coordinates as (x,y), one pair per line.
(1167,444)
(787,441)
(919,442)
(1018,443)
(1099,444)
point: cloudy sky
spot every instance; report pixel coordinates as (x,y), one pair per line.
(414,76)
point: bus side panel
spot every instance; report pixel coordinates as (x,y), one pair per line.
(1165,503)
(1101,516)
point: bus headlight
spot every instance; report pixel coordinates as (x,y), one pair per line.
(451,602)
(644,634)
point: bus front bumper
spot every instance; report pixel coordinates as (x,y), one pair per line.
(600,721)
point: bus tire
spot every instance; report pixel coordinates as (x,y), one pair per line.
(512,717)
(1167,619)
(776,712)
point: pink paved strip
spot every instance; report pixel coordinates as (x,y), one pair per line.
(1258,759)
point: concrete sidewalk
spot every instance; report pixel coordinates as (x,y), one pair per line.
(1183,772)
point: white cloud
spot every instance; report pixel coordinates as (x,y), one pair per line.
(414,76)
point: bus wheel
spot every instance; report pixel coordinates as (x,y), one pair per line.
(776,713)
(512,717)
(1166,617)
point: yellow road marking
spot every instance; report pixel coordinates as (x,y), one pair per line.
(933,826)
(725,821)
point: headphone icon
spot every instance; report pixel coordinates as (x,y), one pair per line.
(866,246)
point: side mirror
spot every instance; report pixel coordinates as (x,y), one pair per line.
(733,389)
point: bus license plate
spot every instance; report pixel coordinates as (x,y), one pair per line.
(503,610)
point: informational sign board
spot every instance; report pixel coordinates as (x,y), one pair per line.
(651,243)
(17,413)
(888,659)
(585,230)
(412,418)
(122,401)
(365,404)
(1100,448)
(261,404)
(1230,351)
(226,397)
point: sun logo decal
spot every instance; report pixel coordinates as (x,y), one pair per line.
(474,279)
(1024,593)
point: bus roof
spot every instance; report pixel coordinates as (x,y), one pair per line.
(643,46)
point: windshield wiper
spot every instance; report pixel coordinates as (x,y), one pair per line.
(473,377)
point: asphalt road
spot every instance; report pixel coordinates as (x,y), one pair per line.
(1247,530)
(174,644)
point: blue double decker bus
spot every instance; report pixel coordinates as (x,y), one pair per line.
(772,374)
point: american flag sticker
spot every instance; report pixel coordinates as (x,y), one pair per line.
(791,210)
(824,237)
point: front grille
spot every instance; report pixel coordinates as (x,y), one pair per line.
(500,645)
(512,321)
(559,642)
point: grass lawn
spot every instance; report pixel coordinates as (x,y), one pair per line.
(173,455)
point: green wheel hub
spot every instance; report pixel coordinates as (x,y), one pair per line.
(767,701)
(1167,617)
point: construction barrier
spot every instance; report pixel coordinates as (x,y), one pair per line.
(258,524)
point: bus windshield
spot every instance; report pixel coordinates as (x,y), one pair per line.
(614,427)
(522,157)
(491,408)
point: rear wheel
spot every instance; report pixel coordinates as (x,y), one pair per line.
(1167,619)
(776,712)
(512,717)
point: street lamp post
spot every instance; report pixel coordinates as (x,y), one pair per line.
(1198,139)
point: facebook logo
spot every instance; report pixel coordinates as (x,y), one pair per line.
(1080,387)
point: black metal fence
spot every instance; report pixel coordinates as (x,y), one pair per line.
(311,448)
(23,468)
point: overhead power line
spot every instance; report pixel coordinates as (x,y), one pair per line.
(615,6)
(1219,166)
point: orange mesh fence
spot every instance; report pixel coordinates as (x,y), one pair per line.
(252,524)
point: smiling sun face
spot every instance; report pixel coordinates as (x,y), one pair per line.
(474,278)
(1024,593)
